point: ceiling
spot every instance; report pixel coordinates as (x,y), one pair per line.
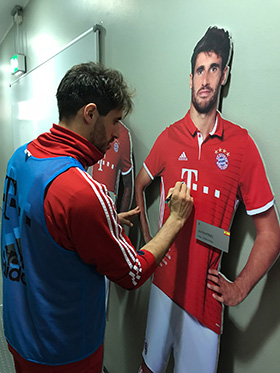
(6,19)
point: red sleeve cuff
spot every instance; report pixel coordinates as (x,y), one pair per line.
(148,265)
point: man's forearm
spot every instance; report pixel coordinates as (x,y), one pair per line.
(128,190)
(142,181)
(145,226)
(162,241)
(126,200)
(181,205)
(264,253)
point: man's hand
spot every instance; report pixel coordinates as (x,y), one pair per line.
(180,205)
(264,252)
(225,291)
(181,202)
(125,217)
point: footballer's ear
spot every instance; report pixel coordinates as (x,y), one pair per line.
(225,75)
(90,112)
(191,79)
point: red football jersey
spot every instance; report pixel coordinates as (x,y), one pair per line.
(222,169)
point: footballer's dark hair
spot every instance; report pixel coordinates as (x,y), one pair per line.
(92,83)
(217,40)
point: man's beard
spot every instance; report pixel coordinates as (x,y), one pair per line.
(207,107)
(204,108)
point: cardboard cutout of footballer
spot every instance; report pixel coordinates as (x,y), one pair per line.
(221,165)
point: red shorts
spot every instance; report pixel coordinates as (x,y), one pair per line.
(92,364)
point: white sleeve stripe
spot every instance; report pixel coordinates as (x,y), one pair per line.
(110,217)
(261,209)
(127,172)
(114,217)
(148,171)
(129,250)
(113,214)
(162,203)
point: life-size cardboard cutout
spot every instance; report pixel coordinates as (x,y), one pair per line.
(221,165)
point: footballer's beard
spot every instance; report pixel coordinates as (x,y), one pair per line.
(98,137)
(205,106)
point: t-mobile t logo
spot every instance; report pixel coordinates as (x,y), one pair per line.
(101,163)
(190,177)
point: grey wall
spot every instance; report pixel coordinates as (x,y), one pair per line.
(151,43)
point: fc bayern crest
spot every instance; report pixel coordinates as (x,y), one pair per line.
(222,161)
(116,146)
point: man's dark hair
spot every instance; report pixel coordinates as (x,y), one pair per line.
(217,40)
(92,83)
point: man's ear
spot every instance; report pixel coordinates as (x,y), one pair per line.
(90,112)
(191,78)
(225,75)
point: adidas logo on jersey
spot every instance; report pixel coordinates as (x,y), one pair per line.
(183,157)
